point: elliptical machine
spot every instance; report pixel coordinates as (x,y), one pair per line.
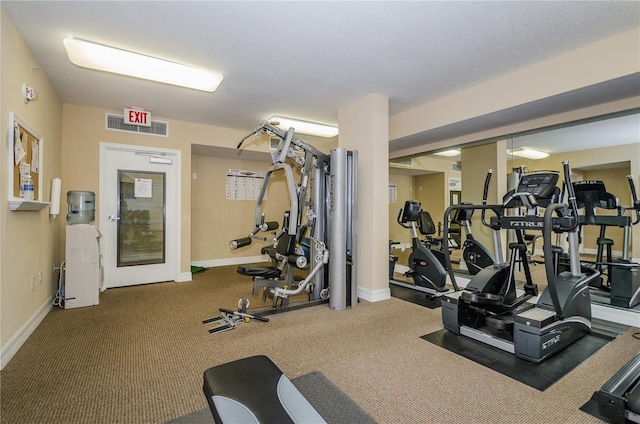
(427,273)
(492,313)
(622,285)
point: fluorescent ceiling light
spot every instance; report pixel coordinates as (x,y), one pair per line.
(304,127)
(109,59)
(448,153)
(528,153)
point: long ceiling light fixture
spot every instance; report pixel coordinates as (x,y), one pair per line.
(304,127)
(448,153)
(528,153)
(109,59)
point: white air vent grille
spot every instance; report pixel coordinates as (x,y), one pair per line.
(402,162)
(116,123)
(456,166)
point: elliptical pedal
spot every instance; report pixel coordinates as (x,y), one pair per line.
(500,323)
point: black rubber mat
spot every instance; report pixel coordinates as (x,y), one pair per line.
(539,376)
(414,296)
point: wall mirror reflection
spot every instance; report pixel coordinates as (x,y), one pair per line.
(603,152)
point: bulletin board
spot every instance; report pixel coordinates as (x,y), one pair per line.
(25,147)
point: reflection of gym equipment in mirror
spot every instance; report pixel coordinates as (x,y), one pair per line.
(490,310)
(474,254)
(619,281)
(599,148)
(425,270)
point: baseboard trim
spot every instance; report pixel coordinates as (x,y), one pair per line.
(374,295)
(212,263)
(184,276)
(21,336)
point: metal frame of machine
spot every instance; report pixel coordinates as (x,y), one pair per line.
(325,196)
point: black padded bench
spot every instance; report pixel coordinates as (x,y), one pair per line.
(254,390)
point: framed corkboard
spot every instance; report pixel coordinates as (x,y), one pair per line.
(25,147)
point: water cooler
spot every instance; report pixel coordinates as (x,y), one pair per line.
(83,270)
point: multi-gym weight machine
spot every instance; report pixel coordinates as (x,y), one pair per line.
(324,196)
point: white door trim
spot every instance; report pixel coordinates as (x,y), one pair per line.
(103,213)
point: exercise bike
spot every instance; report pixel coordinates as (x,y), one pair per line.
(474,254)
(427,273)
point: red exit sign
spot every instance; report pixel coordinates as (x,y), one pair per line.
(137,117)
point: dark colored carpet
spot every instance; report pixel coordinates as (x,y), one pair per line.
(330,402)
(539,376)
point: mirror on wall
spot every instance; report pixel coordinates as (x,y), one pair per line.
(605,149)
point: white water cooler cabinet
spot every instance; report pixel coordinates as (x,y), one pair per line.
(83,274)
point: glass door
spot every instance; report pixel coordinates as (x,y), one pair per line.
(142,223)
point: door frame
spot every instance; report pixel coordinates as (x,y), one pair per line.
(105,147)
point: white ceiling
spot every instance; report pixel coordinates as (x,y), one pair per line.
(307,59)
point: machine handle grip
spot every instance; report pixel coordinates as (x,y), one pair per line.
(485,195)
(485,191)
(269,226)
(299,261)
(241,242)
(634,196)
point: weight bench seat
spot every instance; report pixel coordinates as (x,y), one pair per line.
(259,271)
(254,390)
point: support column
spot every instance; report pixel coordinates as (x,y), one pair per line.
(364,126)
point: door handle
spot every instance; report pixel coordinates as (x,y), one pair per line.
(113,218)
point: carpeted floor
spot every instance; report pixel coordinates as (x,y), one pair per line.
(139,356)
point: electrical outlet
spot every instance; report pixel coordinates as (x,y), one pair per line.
(33,282)
(40,277)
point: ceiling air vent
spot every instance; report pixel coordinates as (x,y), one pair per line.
(401,162)
(116,123)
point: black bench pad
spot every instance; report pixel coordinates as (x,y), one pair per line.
(254,390)
(259,271)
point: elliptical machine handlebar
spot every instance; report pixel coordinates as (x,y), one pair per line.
(485,195)
(399,219)
(570,211)
(636,202)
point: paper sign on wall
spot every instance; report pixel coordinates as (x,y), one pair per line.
(142,187)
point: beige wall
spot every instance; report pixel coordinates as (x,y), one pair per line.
(476,162)
(30,240)
(404,192)
(430,191)
(215,220)
(615,57)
